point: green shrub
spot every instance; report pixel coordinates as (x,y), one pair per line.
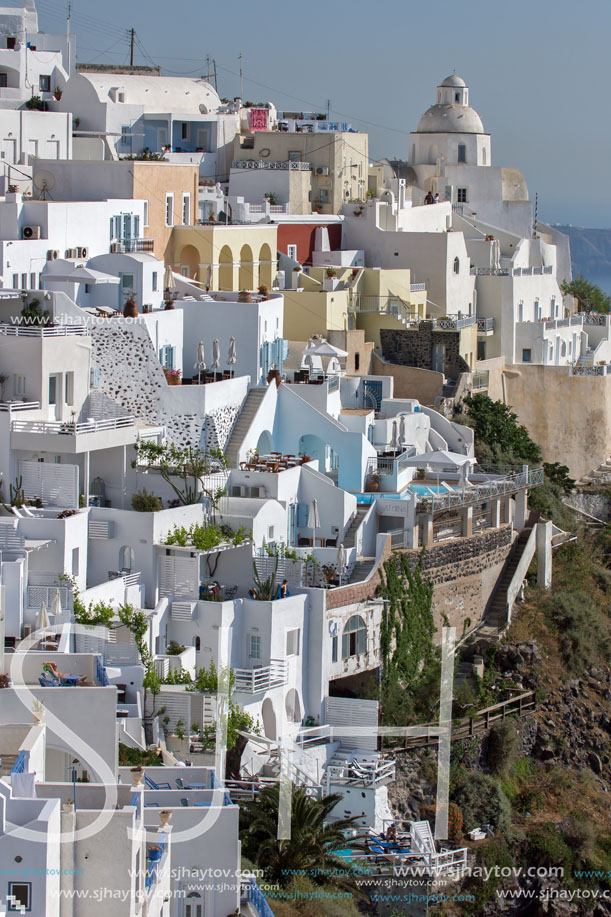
(482,801)
(145,502)
(545,846)
(502,747)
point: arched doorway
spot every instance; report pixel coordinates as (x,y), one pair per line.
(292,706)
(247,269)
(269,719)
(265,266)
(226,269)
(189,262)
(265,443)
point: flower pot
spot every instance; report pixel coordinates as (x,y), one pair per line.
(245,296)
(155,852)
(164,817)
(137,775)
(174,380)
(130,309)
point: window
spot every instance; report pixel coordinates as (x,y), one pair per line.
(94,378)
(32,281)
(481,350)
(75,561)
(537,311)
(292,642)
(20,386)
(169,210)
(484,160)
(527,355)
(19,896)
(167,357)
(462,152)
(186,209)
(44,83)
(3,80)
(457,96)
(357,362)
(354,637)
(24,281)
(15,281)
(11,42)
(154,281)
(146,213)
(520,311)
(291,251)
(254,646)
(196,644)
(202,140)
(69,388)
(53,389)
(334,649)
(270,532)
(324,195)
(294,156)
(456,265)
(125,135)
(461,195)
(184,131)
(127,283)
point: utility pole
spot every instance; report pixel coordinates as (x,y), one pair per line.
(328,109)
(132,34)
(535,218)
(241,78)
(215,82)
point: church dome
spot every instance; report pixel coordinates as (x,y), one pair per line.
(453,80)
(461,119)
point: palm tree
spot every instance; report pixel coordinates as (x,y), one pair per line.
(313,843)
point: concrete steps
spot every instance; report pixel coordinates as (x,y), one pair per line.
(242,426)
(354,525)
(598,475)
(496,614)
(361,570)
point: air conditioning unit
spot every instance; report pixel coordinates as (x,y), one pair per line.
(322,170)
(258,492)
(52,254)
(236,491)
(70,253)
(83,252)
(30,232)
(26,630)
(116,247)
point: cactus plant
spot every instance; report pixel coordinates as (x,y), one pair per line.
(16,492)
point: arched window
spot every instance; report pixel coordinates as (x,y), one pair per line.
(126,558)
(193,905)
(462,152)
(196,643)
(354,637)
(456,265)
(564,348)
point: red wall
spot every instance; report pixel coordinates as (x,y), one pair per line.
(303,235)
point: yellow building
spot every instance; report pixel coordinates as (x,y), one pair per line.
(226,257)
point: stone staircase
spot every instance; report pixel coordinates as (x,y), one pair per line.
(599,475)
(7,764)
(247,414)
(354,525)
(361,570)
(586,358)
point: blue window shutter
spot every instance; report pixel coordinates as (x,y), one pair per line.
(94,378)
(172,357)
(136,226)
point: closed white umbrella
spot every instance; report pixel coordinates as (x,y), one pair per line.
(232,355)
(168,279)
(200,363)
(402,429)
(42,620)
(216,354)
(341,561)
(56,604)
(313,519)
(463,477)
(394,442)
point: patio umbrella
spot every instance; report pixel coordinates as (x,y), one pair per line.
(463,477)
(328,350)
(88,275)
(394,442)
(200,363)
(402,429)
(232,355)
(56,605)
(168,279)
(341,561)
(216,354)
(440,458)
(313,519)
(42,620)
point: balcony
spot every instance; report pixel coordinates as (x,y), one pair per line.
(485,326)
(41,331)
(73,437)
(506,485)
(454,322)
(255,681)
(582,370)
(481,381)
(281,165)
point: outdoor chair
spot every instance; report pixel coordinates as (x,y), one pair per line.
(184,801)
(156,786)
(231,592)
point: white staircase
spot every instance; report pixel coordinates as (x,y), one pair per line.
(599,475)
(243,424)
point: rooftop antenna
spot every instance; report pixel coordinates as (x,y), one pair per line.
(132,38)
(44,182)
(241,77)
(535,217)
(328,109)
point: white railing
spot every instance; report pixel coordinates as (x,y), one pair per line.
(284,164)
(10,406)
(417,287)
(38,331)
(254,681)
(564,322)
(579,370)
(365,773)
(485,324)
(455,322)
(72,428)
(314,735)
(476,493)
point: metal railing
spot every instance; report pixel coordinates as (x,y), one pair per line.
(250,892)
(595,318)
(136,245)
(582,370)
(481,380)
(365,773)
(385,464)
(254,681)
(20,764)
(70,427)
(284,164)
(455,322)
(485,324)
(476,493)
(38,331)
(384,305)
(417,287)
(10,406)
(333,383)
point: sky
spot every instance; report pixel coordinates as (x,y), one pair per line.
(537,70)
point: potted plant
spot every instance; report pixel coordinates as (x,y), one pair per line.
(57,93)
(172,376)
(130,309)
(137,774)
(263,292)
(168,304)
(154,852)
(330,279)
(373,483)
(420,474)
(245,296)
(164,816)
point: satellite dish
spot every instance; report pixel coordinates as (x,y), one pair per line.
(44,182)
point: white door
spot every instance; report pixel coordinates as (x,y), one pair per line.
(162,138)
(54,396)
(8,150)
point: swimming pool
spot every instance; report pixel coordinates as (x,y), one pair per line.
(369,498)
(424,490)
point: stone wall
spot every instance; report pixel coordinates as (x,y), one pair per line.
(414,347)
(411,381)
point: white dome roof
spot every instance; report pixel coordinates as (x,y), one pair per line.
(445,119)
(454,81)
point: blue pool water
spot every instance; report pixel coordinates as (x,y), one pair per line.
(421,490)
(424,490)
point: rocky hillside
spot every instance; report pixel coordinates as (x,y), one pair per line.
(590,251)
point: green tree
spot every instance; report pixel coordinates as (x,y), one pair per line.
(589,296)
(496,428)
(184,468)
(314,840)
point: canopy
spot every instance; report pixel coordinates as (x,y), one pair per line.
(440,459)
(394,442)
(326,350)
(313,516)
(216,354)
(83,275)
(232,354)
(168,278)
(56,604)
(200,363)
(42,620)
